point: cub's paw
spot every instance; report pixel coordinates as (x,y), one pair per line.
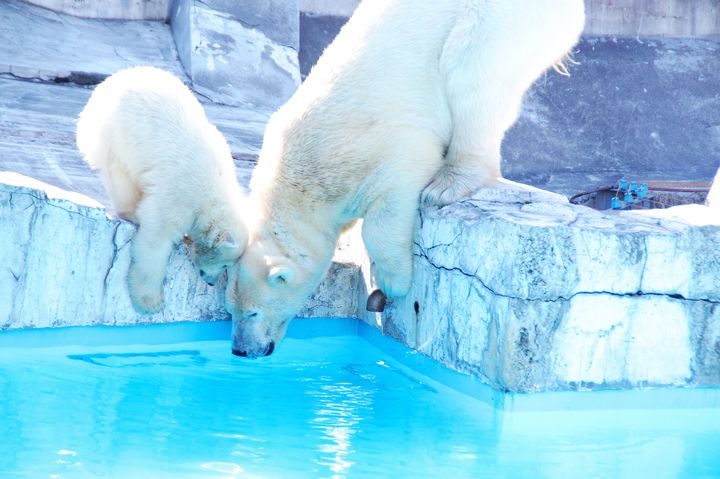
(451,185)
(145,298)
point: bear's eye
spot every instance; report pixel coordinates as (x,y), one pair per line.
(279,276)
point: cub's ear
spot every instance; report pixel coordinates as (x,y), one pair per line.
(280,275)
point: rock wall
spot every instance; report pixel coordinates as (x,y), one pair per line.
(518,288)
(644,110)
(109,9)
(64,262)
(531,293)
(637,18)
(239,53)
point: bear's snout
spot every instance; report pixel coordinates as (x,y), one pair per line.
(252,355)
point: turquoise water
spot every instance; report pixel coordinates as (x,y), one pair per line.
(347,404)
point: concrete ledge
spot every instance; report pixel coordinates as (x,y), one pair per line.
(38,44)
(64,262)
(109,9)
(518,288)
(537,295)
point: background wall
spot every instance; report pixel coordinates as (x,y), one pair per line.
(653,17)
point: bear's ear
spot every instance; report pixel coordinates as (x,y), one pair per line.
(231,249)
(280,275)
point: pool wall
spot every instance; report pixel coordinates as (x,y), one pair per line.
(64,262)
(531,293)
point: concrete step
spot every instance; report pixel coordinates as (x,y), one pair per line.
(41,44)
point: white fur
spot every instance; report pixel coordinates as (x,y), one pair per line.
(713,197)
(167,168)
(412,98)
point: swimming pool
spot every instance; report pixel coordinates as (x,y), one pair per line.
(336,400)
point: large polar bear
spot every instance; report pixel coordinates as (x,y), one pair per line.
(167,168)
(411,99)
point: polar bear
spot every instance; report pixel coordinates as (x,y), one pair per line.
(409,103)
(168,169)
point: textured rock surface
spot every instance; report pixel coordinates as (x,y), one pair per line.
(42,44)
(240,53)
(651,17)
(65,263)
(109,9)
(645,109)
(534,295)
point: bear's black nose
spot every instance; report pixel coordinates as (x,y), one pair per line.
(237,352)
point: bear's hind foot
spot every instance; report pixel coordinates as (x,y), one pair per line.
(453,184)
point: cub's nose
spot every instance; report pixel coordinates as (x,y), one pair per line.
(237,352)
(205,277)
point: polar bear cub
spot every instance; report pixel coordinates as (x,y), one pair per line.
(166,168)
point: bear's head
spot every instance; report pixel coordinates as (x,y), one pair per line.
(215,248)
(266,288)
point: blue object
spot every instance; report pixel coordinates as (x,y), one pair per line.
(633,186)
(629,197)
(623,184)
(615,203)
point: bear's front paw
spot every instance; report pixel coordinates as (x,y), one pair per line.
(451,185)
(147,303)
(146,299)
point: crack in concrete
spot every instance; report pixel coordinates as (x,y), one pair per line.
(676,296)
(45,201)
(113,259)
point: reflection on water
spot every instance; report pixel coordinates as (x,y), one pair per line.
(341,407)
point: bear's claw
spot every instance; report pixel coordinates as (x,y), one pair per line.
(376,301)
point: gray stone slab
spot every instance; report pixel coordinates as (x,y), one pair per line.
(316,32)
(643,109)
(109,9)
(277,19)
(40,43)
(680,18)
(237,57)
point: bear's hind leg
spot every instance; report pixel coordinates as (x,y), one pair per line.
(484,101)
(472,160)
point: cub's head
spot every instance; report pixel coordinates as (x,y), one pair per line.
(266,288)
(215,249)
